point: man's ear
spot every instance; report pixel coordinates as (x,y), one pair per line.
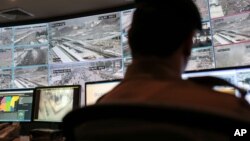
(188,44)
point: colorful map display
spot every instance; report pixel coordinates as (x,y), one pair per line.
(7,103)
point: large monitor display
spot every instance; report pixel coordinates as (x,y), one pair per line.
(53,103)
(16,105)
(95,47)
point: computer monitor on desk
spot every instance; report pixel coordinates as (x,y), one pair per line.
(16,105)
(238,76)
(53,103)
(94,90)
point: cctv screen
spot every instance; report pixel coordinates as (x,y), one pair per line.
(239,77)
(53,103)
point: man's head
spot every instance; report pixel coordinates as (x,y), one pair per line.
(159,28)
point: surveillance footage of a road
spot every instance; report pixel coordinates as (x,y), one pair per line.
(31,56)
(30,77)
(86,72)
(231,30)
(31,35)
(83,39)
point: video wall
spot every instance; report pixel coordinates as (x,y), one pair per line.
(95,48)
(65,52)
(223,43)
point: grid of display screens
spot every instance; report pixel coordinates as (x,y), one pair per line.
(16,105)
(53,103)
(95,48)
(225,40)
(94,90)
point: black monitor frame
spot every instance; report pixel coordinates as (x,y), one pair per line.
(20,90)
(97,82)
(76,100)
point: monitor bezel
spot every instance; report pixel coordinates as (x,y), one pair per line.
(97,82)
(76,100)
(21,89)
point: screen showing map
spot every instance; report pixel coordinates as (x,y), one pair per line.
(16,105)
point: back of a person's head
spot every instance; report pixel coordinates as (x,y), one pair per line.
(159,27)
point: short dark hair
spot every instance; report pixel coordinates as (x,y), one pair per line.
(158,29)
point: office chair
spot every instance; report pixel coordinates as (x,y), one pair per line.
(147,122)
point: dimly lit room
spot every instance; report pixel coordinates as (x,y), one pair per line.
(106,70)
